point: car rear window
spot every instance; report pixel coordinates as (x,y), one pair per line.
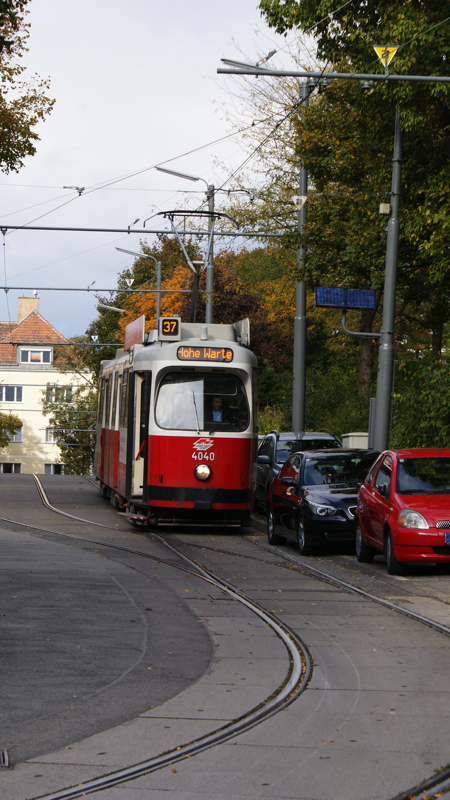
(423,476)
(347,470)
(288,448)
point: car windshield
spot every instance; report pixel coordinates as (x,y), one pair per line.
(423,476)
(288,448)
(345,470)
(189,402)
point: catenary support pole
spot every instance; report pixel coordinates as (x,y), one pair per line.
(158,292)
(210,263)
(299,370)
(386,351)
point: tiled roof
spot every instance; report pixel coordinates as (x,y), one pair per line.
(6,327)
(8,354)
(33,329)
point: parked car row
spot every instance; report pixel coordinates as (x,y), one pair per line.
(396,503)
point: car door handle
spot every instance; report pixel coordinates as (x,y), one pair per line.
(290,490)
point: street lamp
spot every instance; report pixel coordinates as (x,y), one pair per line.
(158,278)
(210,255)
(111,308)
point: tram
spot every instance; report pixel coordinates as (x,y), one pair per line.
(177,424)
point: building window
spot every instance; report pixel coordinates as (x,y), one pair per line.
(58,394)
(11,394)
(35,356)
(53,469)
(16,438)
(50,436)
(9,468)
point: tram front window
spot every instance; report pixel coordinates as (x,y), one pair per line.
(202,403)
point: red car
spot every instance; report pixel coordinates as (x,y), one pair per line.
(403,509)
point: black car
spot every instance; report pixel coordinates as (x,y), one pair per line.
(313,499)
(276,447)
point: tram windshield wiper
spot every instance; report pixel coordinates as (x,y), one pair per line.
(196,415)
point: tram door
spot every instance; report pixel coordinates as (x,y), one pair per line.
(140,433)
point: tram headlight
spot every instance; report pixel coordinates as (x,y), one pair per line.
(202,472)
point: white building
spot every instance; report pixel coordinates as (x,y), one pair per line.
(26,370)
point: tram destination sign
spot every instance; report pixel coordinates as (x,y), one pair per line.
(194,353)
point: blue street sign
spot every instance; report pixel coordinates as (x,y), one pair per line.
(339,297)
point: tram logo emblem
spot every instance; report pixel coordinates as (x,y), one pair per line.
(203,444)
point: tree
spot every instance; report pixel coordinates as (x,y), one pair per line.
(73,420)
(9,425)
(345,139)
(109,325)
(421,407)
(22,104)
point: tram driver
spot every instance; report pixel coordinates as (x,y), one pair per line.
(216,412)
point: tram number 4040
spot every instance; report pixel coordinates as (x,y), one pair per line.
(203,456)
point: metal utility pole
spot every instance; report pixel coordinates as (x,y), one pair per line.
(386,351)
(299,371)
(158,292)
(194,292)
(196,265)
(210,257)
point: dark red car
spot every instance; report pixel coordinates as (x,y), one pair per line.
(403,509)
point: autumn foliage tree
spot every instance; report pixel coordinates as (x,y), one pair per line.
(23,104)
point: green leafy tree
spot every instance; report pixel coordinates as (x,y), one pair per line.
(9,425)
(22,104)
(421,407)
(72,417)
(345,139)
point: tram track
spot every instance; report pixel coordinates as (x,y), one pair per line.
(289,690)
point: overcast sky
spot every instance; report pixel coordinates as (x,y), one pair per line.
(135,85)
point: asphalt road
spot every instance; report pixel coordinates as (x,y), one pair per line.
(87,641)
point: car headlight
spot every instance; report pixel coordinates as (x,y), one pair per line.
(202,472)
(411,519)
(319,510)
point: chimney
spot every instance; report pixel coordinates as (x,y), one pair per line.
(27,305)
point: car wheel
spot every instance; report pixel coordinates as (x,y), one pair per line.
(303,539)
(271,535)
(394,567)
(364,554)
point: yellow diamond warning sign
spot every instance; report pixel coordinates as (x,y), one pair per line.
(385,53)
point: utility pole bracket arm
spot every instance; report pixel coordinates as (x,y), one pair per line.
(362,334)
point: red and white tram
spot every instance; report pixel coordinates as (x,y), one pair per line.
(177,423)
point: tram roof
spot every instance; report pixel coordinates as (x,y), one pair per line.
(195,334)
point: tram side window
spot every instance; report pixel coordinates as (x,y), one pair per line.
(108,400)
(123,414)
(202,402)
(101,396)
(114,400)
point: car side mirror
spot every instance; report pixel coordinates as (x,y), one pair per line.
(382,490)
(263,460)
(287,481)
